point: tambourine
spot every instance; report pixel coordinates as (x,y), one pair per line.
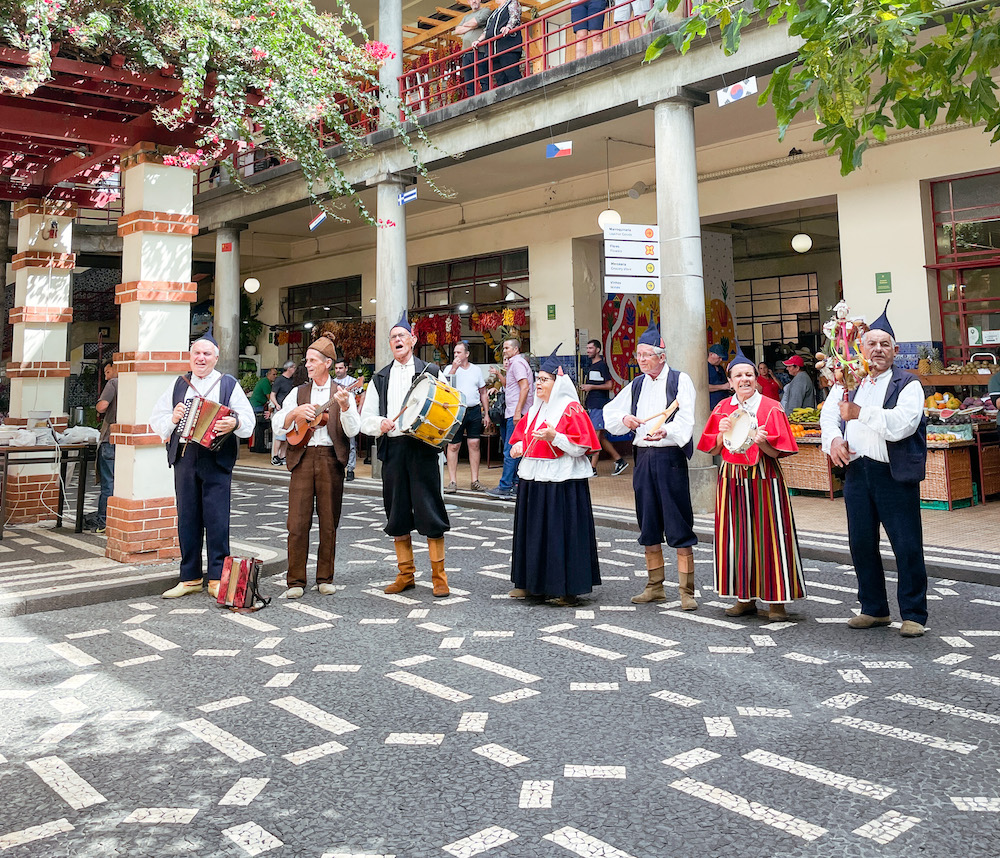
(742,430)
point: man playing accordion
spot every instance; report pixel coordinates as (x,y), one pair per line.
(203,476)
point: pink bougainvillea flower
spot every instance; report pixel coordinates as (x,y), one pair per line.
(379,51)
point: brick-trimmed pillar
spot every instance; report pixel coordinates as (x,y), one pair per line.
(155,297)
(43,288)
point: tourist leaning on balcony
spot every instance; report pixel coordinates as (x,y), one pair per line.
(588,17)
(471,30)
(505,50)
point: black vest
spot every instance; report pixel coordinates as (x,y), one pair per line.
(381,382)
(907,457)
(673,375)
(230,449)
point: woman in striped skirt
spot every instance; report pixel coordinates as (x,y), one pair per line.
(756,550)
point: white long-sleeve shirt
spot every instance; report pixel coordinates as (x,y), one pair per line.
(160,419)
(400,379)
(867,435)
(653,399)
(319,394)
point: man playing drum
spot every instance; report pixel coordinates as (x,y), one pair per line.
(660,479)
(411,477)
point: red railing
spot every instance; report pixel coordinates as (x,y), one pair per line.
(540,44)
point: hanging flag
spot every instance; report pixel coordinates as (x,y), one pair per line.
(558,150)
(407,196)
(316,221)
(737,91)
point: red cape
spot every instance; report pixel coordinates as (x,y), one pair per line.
(574,424)
(770,415)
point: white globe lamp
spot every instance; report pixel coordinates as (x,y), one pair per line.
(251,284)
(608,217)
(801,243)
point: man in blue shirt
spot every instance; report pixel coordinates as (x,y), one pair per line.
(718,381)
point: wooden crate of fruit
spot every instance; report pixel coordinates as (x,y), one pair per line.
(949,475)
(809,469)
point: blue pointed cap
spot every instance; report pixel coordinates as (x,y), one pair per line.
(551,364)
(882,323)
(403,323)
(740,358)
(207,337)
(651,337)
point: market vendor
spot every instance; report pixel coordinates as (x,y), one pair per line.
(878,433)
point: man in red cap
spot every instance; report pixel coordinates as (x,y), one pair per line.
(799,392)
(317,465)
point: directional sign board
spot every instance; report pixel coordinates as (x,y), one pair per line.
(632,259)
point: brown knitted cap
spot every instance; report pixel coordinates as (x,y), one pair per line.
(324,345)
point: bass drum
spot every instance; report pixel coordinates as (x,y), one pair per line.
(742,429)
(433,412)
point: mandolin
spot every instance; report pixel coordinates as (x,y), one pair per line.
(301,430)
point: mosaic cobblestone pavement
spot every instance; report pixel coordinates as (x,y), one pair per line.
(366,725)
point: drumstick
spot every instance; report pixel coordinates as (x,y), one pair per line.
(661,417)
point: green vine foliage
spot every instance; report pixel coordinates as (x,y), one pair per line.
(865,67)
(274,70)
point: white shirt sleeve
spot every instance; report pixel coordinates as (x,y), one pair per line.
(680,429)
(371,420)
(241,406)
(894,424)
(160,418)
(567,446)
(829,417)
(616,410)
(350,420)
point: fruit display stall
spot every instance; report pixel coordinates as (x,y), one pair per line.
(963,443)
(809,470)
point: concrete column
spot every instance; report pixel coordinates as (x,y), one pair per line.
(156,226)
(43,288)
(227,298)
(682,304)
(390,32)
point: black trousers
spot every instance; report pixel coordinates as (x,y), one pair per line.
(411,489)
(203,489)
(663,497)
(873,497)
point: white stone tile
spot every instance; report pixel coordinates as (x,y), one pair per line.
(536,794)
(762,640)
(414,739)
(887,827)
(558,627)
(516,694)
(708,621)
(988,678)
(268,643)
(584,614)
(60,777)
(275,660)
(952,658)
(142,659)
(497,668)
(252,839)
(886,665)
(663,655)
(250,622)
(315,627)
(720,727)
(414,660)
(337,668)
(314,715)
(35,832)
(596,772)
(451,643)
(418,613)
(72,654)
(55,734)
(500,754)
(307,755)
(843,701)
(227,703)
(90,633)
(17,693)
(138,619)
(977,804)
(68,705)
(854,676)
(675,698)
(481,841)
(161,815)
(160,644)
(819,775)
(585,845)
(622,631)
(637,674)
(692,758)
(216,653)
(955,641)
(281,680)
(905,735)
(309,610)
(244,791)
(75,682)
(593,686)
(576,646)
(472,722)
(131,715)
(750,809)
(226,743)
(493,634)
(434,627)
(945,708)
(731,650)
(429,686)
(805,659)
(763,712)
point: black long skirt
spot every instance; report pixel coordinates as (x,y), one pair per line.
(555,544)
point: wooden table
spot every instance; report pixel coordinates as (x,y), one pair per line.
(64,454)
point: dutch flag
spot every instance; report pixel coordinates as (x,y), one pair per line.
(558,150)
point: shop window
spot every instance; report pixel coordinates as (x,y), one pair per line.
(479,281)
(771,311)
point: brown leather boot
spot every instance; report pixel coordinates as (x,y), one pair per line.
(654,569)
(685,575)
(404,560)
(435,547)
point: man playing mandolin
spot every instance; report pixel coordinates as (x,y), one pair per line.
(320,418)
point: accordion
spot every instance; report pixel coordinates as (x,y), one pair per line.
(238,585)
(198,425)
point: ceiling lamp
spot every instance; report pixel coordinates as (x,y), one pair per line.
(463,308)
(637,190)
(251,284)
(608,217)
(801,241)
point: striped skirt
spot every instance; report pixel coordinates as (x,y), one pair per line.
(756,550)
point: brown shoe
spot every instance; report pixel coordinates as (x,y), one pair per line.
(564,602)
(777,612)
(864,621)
(741,608)
(518,593)
(911,629)
(439,578)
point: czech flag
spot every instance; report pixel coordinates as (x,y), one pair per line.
(737,91)
(558,150)
(316,221)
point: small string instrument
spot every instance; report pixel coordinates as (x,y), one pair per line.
(301,430)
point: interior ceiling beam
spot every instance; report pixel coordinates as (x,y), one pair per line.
(87,198)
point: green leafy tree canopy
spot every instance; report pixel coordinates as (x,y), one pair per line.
(865,67)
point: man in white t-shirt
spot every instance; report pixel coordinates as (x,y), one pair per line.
(468,379)
(342,378)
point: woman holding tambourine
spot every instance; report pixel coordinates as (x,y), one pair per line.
(756,549)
